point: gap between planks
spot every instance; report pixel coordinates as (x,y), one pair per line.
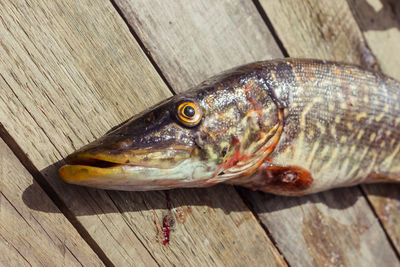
(264,226)
(38,177)
(143,47)
(270,27)
(374,211)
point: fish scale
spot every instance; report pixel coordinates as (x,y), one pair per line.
(352,91)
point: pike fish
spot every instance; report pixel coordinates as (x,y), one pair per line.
(288,127)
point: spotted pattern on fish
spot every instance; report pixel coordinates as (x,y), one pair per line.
(345,144)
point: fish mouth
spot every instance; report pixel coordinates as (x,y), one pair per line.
(92,162)
(138,170)
(84,167)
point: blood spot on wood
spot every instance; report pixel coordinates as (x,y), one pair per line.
(168,224)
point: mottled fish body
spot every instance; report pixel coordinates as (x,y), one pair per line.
(290,127)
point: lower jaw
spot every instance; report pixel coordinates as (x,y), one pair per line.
(77,174)
(188,173)
(127,178)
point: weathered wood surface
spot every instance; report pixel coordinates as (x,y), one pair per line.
(318,29)
(380,23)
(70,71)
(29,237)
(339,31)
(60,66)
(322,233)
(157,23)
(193,40)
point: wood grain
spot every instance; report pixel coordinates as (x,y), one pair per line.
(29,237)
(71,70)
(335,228)
(215,228)
(61,66)
(300,247)
(379,20)
(380,23)
(338,19)
(319,29)
(192,40)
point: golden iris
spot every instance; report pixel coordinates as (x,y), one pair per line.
(189,113)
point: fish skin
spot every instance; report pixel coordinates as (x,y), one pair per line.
(287,126)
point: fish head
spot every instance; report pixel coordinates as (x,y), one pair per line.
(204,136)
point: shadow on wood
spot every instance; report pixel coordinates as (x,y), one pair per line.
(382,15)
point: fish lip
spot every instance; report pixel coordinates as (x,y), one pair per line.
(92,161)
(80,167)
(84,167)
(77,174)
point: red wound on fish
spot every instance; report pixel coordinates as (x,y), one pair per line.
(285,180)
(291,178)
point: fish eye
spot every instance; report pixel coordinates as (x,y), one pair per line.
(189,113)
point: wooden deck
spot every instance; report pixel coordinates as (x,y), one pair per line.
(70,70)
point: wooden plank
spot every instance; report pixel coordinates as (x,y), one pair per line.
(60,62)
(379,21)
(30,237)
(301,248)
(319,29)
(218,228)
(10,254)
(71,70)
(177,34)
(340,39)
(335,228)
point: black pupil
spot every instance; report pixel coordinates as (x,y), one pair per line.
(189,111)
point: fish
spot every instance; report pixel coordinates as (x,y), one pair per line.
(286,126)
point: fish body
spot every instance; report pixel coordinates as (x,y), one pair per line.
(288,127)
